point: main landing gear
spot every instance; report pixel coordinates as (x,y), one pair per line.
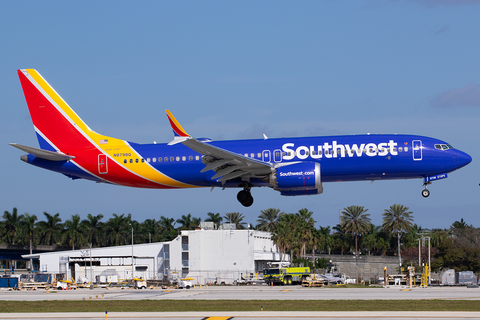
(245,197)
(425,192)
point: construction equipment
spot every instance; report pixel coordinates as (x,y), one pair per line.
(425,276)
(313,280)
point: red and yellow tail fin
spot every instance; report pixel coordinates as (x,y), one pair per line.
(178,131)
(57,126)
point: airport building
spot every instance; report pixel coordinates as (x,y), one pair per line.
(206,255)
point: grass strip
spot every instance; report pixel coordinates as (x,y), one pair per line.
(237,305)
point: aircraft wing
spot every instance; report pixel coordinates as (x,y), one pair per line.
(227,164)
(43,154)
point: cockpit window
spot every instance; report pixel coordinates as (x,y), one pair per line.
(443,146)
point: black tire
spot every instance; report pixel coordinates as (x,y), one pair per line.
(425,193)
(242,196)
(245,198)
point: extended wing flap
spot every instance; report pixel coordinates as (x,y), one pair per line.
(43,154)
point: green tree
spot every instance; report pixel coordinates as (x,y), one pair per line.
(236,218)
(167,226)
(215,218)
(326,239)
(187,222)
(460,252)
(305,228)
(459,225)
(118,230)
(50,229)
(151,230)
(397,219)
(280,237)
(12,224)
(93,229)
(73,231)
(371,238)
(268,219)
(355,221)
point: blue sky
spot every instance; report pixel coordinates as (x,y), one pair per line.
(230,70)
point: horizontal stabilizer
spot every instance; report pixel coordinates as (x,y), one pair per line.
(43,154)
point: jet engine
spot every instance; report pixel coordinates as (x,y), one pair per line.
(297,179)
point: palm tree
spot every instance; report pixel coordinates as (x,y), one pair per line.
(288,232)
(268,219)
(326,238)
(93,229)
(370,239)
(12,223)
(28,222)
(50,229)
(150,227)
(397,219)
(187,222)
(167,226)
(280,238)
(459,224)
(236,218)
(117,230)
(354,220)
(305,227)
(215,218)
(73,231)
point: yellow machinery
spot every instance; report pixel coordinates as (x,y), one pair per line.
(425,276)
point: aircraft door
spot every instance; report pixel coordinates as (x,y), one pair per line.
(266,155)
(417,150)
(102,164)
(277,155)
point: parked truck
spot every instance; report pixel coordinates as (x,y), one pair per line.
(282,273)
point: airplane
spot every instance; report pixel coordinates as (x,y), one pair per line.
(293,166)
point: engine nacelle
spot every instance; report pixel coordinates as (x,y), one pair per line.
(298,179)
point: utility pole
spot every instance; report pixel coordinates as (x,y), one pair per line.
(91,268)
(422,240)
(132,251)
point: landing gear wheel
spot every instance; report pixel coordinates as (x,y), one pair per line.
(245,198)
(425,193)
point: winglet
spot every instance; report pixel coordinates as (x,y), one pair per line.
(178,131)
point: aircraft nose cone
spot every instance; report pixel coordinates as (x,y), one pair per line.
(462,159)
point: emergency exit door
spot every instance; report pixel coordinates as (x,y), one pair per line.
(102,164)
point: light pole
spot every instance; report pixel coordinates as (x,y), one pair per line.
(132,250)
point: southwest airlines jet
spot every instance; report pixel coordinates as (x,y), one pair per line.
(292,166)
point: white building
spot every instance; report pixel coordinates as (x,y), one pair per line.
(208,256)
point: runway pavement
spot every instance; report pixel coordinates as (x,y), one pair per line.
(245,315)
(250,293)
(247,293)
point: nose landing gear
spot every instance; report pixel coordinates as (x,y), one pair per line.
(245,197)
(425,192)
